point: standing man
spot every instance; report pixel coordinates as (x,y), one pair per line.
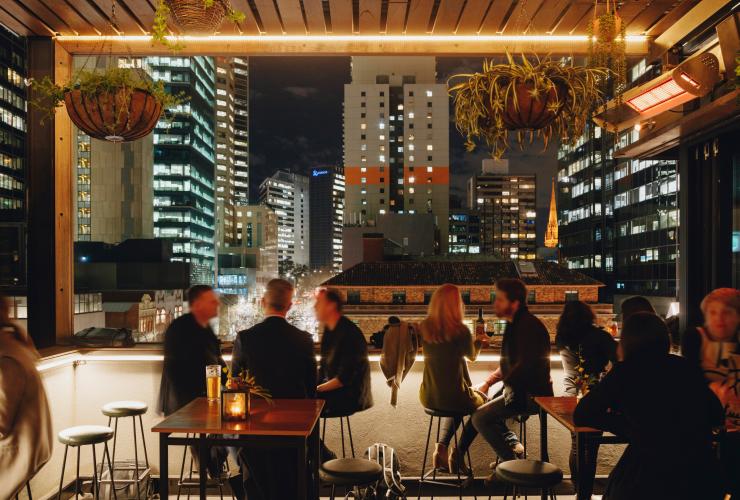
(345,367)
(524,370)
(189,346)
(280,358)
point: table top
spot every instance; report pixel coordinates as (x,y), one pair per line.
(562,408)
(284,417)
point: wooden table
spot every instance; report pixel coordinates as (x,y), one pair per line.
(287,423)
(562,409)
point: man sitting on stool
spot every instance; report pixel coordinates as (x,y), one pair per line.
(345,368)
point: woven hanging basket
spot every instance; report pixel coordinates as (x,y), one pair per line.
(529,112)
(114,116)
(194,18)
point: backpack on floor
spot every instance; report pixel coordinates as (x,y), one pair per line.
(390,485)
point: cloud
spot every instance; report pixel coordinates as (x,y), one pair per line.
(300,91)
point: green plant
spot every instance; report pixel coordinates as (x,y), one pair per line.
(162,13)
(607,49)
(50,95)
(246,382)
(482,100)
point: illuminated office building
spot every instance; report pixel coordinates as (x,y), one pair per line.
(288,195)
(326,185)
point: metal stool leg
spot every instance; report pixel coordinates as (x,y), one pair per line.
(95,485)
(77,477)
(182,469)
(61,479)
(426,452)
(136,461)
(459,478)
(106,453)
(333,492)
(341,430)
(115,436)
(351,443)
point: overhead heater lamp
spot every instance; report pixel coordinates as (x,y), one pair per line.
(693,78)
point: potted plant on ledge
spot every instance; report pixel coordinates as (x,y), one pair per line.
(115,104)
(543,97)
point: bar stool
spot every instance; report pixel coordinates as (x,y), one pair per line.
(517,474)
(461,483)
(326,414)
(28,491)
(86,435)
(126,409)
(522,420)
(350,472)
(190,483)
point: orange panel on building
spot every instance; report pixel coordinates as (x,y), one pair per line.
(353,176)
(438,175)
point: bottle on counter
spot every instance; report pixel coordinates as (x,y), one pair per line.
(480,324)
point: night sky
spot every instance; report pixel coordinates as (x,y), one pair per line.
(296,123)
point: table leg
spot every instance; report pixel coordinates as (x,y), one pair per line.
(586,471)
(315,462)
(202,461)
(544,455)
(302,480)
(163,469)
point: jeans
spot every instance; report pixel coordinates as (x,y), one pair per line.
(490,421)
(448,429)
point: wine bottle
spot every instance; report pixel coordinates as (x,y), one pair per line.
(480,324)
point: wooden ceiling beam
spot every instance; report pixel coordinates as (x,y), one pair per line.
(14,24)
(341,17)
(447,16)
(248,26)
(125,19)
(418,16)
(396,18)
(292,16)
(47,16)
(369,16)
(315,17)
(496,14)
(472,17)
(576,12)
(27,18)
(269,16)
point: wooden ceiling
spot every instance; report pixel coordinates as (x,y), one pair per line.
(347,17)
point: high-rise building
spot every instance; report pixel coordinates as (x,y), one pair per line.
(506,205)
(288,195)
(396,141)
(618,220)
(464,231)
(240,68)
(13,210)
(184,163)
(326,201)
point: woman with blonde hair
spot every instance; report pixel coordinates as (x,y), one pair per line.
(25,423)
(446,386)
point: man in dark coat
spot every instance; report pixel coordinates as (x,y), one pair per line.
(524,370)
(189,346)
(280,357)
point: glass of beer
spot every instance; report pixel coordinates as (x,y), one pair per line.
(213,382)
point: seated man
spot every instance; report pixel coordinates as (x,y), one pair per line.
(280,358)
(524,369)
(345,368)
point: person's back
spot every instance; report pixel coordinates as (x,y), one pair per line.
(279,356)
(525,356)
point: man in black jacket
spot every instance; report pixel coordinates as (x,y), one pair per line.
(280,357)
(524,370)
(189,346)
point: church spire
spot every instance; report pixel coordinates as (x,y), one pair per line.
(551,235)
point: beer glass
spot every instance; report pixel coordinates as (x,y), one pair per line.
(213,382)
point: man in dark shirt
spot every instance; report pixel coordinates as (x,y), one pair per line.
(189,346)
(280,358)
(345,367)
(524,369)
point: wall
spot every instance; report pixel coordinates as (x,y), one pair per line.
(76,394)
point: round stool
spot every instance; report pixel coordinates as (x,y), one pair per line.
(341,416)
(350,472)
(132,409)
(87,435)
(529,474)
(424,477)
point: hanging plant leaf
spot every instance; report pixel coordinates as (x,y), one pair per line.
(544,97)
(193,17)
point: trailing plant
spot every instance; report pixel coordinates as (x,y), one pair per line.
(120,81)
(562,94)
(607,49)
(163,11)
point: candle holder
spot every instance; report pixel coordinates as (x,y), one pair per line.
(235,405)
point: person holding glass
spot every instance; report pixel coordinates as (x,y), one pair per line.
(448,345)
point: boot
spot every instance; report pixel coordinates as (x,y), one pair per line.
(439,457)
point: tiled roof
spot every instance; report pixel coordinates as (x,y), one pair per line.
(435,273)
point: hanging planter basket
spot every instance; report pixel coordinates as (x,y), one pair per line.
(122,115)
(543,98)
(607,49)
(198,17)
(116,105)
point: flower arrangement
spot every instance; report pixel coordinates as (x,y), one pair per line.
(545,98)
(584,380)
(246,382)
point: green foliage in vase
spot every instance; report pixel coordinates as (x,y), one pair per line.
(482,99)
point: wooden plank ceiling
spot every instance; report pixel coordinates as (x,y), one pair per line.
(344,17)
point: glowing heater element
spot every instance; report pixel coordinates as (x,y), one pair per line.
(659,94)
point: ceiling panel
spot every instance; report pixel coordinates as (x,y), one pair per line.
(14,24)
(649,16)
(499,10)
(674,15)
(48,17)
(472,16)
(269,17)
(292,16)
(396,18)
(447,15)
(576,12)
(341,17)
(418,16)
(547,16)
(246,27)
(521,18)
(314,17)
(27,17)
(369,15)
(125,21)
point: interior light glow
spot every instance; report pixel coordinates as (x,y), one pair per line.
(343,38)
(653,96)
